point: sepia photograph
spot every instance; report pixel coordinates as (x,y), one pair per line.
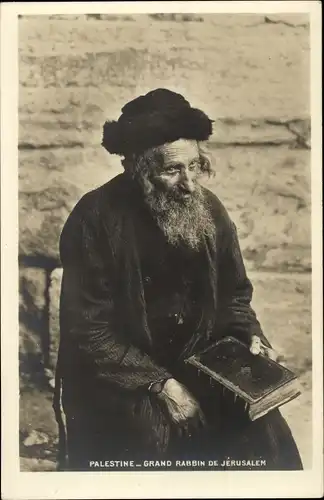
(165,242)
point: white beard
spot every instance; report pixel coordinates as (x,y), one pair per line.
(182,220)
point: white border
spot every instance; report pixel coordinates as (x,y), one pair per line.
(228,7)
(47,485)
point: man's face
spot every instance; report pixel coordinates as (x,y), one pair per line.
(178,170)
(169,181)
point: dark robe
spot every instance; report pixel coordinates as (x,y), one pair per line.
(132,308)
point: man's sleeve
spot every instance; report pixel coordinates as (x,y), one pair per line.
(236,316)
(89,319)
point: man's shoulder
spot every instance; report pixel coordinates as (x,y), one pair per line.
(97,205)
(217,208)
(90,211)
(106,193)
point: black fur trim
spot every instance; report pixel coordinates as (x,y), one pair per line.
(149,121)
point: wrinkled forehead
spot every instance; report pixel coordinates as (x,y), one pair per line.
(181,151)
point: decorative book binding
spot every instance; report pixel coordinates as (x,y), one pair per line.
(263,384)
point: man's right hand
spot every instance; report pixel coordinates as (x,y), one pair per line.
(183,409)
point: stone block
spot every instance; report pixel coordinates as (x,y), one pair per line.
(53,130)
(51,183)
(36,465)
(121,67)
(288,259)
(266,191)
(240,87)
(226,132)
(283,306)
(252,80)
(54,325)
(76,118)
(42,216)
(257,95)
(77,103)
(35,136)
(78,36)
(84,169)
(33,289)
(33,321)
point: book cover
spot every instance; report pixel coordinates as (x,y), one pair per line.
(258,380)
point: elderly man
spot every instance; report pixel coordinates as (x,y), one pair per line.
(152,272)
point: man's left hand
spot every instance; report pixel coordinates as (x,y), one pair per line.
(257,347)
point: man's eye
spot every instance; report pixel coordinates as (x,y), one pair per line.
(172,170)
(193,166)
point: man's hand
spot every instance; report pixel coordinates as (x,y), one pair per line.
(257,347)
(182,407)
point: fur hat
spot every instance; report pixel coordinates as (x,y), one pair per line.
(153,119)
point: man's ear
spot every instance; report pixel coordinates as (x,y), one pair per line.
(146,183)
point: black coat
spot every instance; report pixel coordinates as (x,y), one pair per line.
(123,290)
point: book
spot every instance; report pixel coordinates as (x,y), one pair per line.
(263,384)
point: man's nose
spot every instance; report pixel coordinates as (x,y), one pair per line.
(187,181)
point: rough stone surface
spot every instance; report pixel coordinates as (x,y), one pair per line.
(33,320)
(280,312)
(268,197)
(42,214)
(68,131)
(250,73)
(288,259)
(54,326)
(266,192)
(253,80)
(36,465)
(35,438)
(32,290)
(76,72)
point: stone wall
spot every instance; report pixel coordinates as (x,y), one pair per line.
(249,73)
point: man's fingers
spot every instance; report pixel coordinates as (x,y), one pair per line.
(255,347)
(269,352)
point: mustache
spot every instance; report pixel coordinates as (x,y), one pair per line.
(180,194)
